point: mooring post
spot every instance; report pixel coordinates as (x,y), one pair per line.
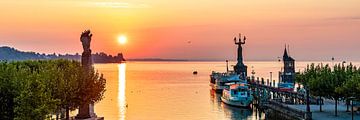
(274,83)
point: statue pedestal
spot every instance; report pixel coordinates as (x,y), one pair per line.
(86,112)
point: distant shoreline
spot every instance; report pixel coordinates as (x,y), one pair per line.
(155,59)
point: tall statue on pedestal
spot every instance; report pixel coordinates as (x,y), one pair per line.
(86,110)
(240,67)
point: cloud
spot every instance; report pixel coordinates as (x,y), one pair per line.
(345,18)
(119,5)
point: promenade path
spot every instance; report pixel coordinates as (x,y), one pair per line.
(328,111)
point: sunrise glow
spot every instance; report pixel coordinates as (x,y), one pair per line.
(122,39)
(161,29)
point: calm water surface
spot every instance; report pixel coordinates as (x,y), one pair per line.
(169,91)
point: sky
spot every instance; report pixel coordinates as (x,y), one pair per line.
(186,29)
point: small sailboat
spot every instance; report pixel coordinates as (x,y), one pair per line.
(237,94)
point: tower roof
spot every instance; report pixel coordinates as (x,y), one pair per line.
(285,53)
(286,56)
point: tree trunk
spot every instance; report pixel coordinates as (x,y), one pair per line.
(67,113)
(320,104)
(336,102)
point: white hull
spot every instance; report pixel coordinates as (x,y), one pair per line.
(236,103)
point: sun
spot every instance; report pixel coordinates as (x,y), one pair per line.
(122,39)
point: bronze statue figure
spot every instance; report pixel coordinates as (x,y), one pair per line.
(86,59)
(239,43)
(85,40)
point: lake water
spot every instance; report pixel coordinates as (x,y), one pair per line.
(169,91)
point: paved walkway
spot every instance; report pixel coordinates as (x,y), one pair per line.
(329,111)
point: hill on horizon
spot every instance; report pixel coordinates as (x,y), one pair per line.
(11,54)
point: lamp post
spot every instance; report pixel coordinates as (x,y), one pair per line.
(308,114)
(307,99)
(270,76)
(227,66)
(352,107)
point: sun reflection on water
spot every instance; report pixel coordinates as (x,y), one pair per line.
(121,93)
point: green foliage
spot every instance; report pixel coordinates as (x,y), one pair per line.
(340,82)
(35,89)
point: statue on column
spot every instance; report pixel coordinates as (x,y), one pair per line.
(86,59)
(239,43)
(240,67)
(86,110)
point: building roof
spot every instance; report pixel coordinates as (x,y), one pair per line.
(286,57)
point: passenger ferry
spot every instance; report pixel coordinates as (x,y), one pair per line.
(237,94)
(218,80)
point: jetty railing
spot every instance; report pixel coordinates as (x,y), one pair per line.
(287,111)
(292,94)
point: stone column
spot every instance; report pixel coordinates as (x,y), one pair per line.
(86,110)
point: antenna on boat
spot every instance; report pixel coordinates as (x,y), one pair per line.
(227,66)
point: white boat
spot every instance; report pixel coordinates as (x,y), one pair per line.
(237,94)
(218,80)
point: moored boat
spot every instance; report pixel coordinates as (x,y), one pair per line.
(218,80)
(286,86)
(237,94)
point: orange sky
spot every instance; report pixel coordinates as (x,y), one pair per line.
(315,30)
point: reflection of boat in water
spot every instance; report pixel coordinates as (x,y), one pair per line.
(215,97)
(230,112)
(238,94)
(236,113)
(215,100)
(218,80)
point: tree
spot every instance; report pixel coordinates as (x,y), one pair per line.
(35,89)
(336,83)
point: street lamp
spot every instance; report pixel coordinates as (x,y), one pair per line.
(307,98)
(352,107)
(227,66)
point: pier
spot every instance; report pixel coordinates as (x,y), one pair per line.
(277,94)
(274,102)
(280,101)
